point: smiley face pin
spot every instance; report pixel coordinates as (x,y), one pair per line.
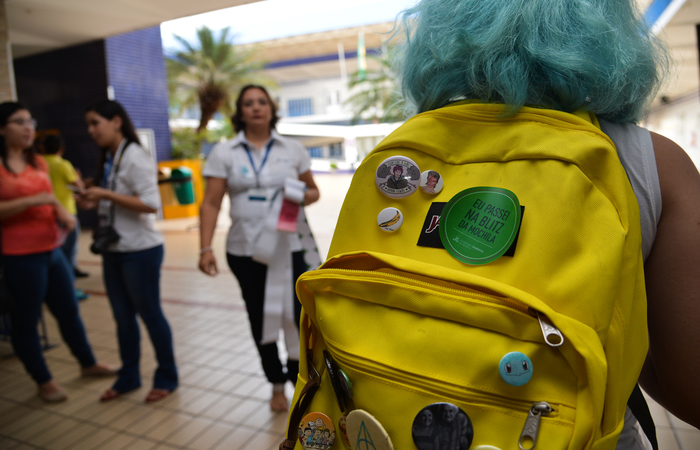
(515,368)
(397,177)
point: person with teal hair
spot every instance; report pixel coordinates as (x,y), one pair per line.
(598,56)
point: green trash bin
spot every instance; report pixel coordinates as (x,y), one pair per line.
(182,184)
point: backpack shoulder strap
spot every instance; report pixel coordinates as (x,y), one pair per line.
(639,407)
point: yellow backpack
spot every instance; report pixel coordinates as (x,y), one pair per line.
(392,328)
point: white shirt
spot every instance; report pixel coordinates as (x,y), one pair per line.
(287,158)
(137,176)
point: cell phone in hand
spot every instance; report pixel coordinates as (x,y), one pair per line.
(74,188)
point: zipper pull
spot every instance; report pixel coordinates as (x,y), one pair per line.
(532,425)
(552,335)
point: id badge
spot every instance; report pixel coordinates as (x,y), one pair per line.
(257,195)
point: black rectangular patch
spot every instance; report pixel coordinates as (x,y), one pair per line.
(430,233)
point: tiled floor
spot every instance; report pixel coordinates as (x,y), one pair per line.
(222,401)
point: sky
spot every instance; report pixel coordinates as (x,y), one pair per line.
(272,19)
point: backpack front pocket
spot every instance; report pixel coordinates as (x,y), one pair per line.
(407,341)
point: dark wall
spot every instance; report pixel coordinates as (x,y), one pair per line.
(136,71)
(57,86)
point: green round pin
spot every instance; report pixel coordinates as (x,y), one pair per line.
(345,383)
(479,224)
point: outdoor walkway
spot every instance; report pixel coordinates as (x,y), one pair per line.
(222,399)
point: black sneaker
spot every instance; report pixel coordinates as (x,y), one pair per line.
(79,273)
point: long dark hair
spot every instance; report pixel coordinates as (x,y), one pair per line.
(108,109)
(237,118)
(7,109)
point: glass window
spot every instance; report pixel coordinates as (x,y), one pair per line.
(300,107)
(316,152)
(335,150)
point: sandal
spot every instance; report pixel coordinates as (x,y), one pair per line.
(109,394)
(156,395)
(51,392)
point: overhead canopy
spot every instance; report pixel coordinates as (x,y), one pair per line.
(678,20)
(40,25)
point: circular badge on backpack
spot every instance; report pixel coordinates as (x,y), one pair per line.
(479,225)
(515,368)
(334,375)
(316,431)
(442,424)
(343,431)
(397,177)
(366,433)
(431,182)
(390,219)
(345,383)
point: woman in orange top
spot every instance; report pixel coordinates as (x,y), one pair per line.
(35,268)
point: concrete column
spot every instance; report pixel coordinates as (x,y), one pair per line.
(7,72)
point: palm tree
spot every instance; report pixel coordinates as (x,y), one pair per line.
(209,72)
(375,94)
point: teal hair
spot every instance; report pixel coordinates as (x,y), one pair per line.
(599,55)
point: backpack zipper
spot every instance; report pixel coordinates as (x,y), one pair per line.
(450,392)
(430,385)
(532,425)
(551,334)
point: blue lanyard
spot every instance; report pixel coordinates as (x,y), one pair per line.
(108,165)
(259,169)
(107,170)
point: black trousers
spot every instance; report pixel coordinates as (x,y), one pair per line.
(251,277)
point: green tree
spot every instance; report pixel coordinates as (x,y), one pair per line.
(375,95)
(186,143)
(209,72)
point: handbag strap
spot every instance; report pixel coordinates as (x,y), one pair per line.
(639,407)
(306,395)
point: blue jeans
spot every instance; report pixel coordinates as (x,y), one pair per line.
(132,280)
(33,279)
(70,245)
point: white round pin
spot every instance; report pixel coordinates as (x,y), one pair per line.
(397,177)
(390,219)
(364,431)
(431,182)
